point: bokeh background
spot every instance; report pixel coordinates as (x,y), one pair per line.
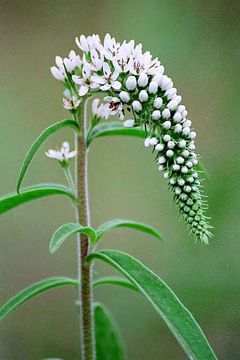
(198,42)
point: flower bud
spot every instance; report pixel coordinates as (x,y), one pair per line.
(158,103)
(192,135)
(166,125)
(143,95)
(161,160)
(143,80)
(189,164)
(147,142)
(170,144)
(153,141)
(187,123)
(153,87)
(169,153)
(57,73)
(176,167)
(180,160)
(124,96)
(182,144)
(184,170)
(178,128)
(185,153)
(177,117)
(159,147)
(136,105)
(131,83)
(166,137)
(166,114)
(186,131)
(156,115)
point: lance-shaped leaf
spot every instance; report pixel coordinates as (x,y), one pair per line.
(33,290)
(64,231)
(108,341)
(114,280)
(179,320)
(10,201)
(117,223)
(113,128)
(38,143)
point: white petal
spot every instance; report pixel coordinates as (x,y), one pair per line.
(105,87)
(83,90)
(59,61)
(98,79)
(57,73)
(115,74)
(83,43)
(106,69)
(77,79)
(71,154)
(66,146)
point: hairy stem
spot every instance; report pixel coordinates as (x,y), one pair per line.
(83,218)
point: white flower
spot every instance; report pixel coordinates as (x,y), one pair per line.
(111,47)
(97,59)
(108,79)
(70,102)
(85,82)
(114,106)
(62,155)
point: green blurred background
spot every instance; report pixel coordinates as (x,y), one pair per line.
(198,42)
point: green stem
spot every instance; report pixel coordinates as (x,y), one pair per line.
(69,178)
(83,218)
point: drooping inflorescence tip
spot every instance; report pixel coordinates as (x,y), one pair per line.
(133,80)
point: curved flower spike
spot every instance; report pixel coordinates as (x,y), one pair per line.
(134,81)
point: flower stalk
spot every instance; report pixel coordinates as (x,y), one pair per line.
(83,218)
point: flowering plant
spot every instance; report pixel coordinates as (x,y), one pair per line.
(148,106)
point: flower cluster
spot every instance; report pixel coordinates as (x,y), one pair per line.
(133,81)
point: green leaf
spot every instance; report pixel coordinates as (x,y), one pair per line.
(113,128)
(116,223)
(64,231)
(10,201)
(38,143)
(114,280)
(33,290)
(108,341)
(179,320)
